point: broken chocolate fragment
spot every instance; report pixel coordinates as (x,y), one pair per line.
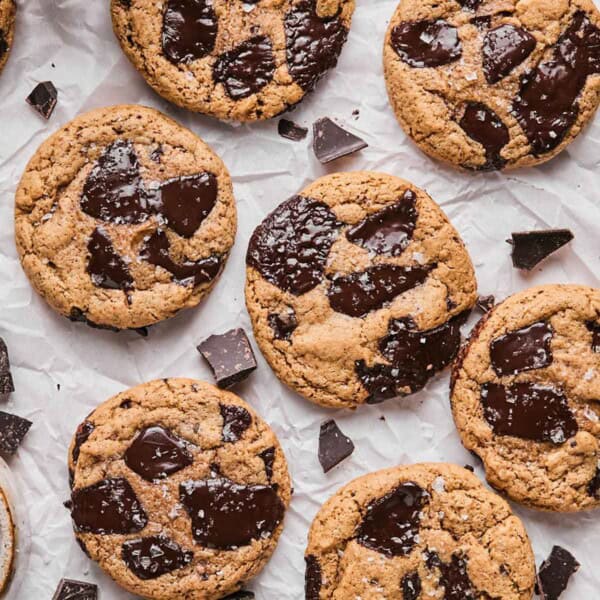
(334,446)
(454,577)
(411,586)
(230,357)
(504,48)
(283,324)
(12,431)
(485,303)
(555,572)
(312,578)
(106,267)
(529,248)
(471,5)
(6,380)
(594,328)
(331,142)
(82,434)
(291,131)
(268,457)
(594,485)
(43,98)
(151,557)
(236,419)
(70,589)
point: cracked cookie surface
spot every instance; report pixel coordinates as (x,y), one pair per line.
(357,289)
(8,10)
(179,490)
(493,84)
(415,532)
(234,60)
(525,396)
(123,218)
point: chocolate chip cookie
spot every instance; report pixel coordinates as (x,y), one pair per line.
(123,217)
(179,490)
(357,288)
(8,10)
(232,59)
(415,532)
(8,541)
(526,396)
(493,84)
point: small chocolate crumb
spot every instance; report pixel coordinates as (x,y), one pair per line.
(69,589)
(470,468)
(555,572)
(529,248)
(12,431)
(331,142)
(334,446)
(6,380)
(291,131)
(485,303)
(43,98)
(356,113)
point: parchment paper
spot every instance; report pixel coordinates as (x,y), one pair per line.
(63,370)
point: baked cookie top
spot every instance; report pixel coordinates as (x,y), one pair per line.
(8,10)
(357,288)
(235,60)
(123,217)
(493,84)
(416,532)
(525,396)
(179,490)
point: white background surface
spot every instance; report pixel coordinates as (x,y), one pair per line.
(71,43)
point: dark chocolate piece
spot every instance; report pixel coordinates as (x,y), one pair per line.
(555,572)
(268,457)
(107,507)
(227,515)
(389,230)
(82,435)
(331,142)
(454,578)
(291,246)
(12,431)
(283,324)
(523,350)
(504,48)
(529,248)
(3,43)
(423,44)
(43,98)
(151,557)
(471,5)
(312,578)
(594,328)
(529,411)
(6,381)
(156,453)
(391,524)
(411,586)
(485,303)
(230,357)
(78,316)
(482,23)
(246,69)
(291,131)
(70,589)
(106,267)
(334,446)
(189,30)
(236,419)
(594,485)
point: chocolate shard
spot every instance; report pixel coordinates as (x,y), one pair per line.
(330,141)
(230,357)
(312,578)
(283,324)
(268,457)
(471,5)
(334,446)
(555,572)
(236,419)
(43,98)
(505,48)
(6,380)
(485,303)
(454,577)
(594,328)
(291,131)
(411,586)
(593,488)
(106,267)
(82,435)
(12,431)
(70,589)
(151,557)
(529,248)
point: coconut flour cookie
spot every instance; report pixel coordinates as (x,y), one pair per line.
(526,393)
(416,532)
(357,289)
(123,218)
(233,59)
(179,490)
(492,84)
(8,9)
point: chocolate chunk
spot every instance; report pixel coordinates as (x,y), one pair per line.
(156,250)
(391,524)
(151,557)
(291,131)
(472,5)
(504,48)
(283,324)
(529,411)
(236,419)
(226,515)
(69,589)
(529,248)
(107,507)
(334,446)
(189,30)
(592,326)
(331,142)
(313,45)
(82,435)
(423,44)
(106,268)
(43,98)
(12,431)
(312,578)
(78,316)
(454,578)
(523,350)
(546,106)
(230,357)
(389,230)
(156,453)
(268,457)
(594,485)
(482,23)
(484,126)
(291,246)
(414,357)
(3,43)
(6,380)
(555,572)
(246,69)
(114,191)
(361,292)
(485,303)
(411,586)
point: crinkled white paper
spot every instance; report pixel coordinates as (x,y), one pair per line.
(63,370)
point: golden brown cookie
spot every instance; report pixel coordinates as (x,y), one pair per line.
(357,289)
(179,490)
(8,541)
(235,60)
(123,218)
(525,396)
(8,10)
(493,84)
(416,532)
